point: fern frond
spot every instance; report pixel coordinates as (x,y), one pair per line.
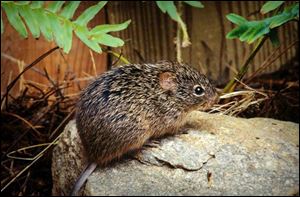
(55,21)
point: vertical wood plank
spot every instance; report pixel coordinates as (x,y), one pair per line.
(150,38)
(27,50)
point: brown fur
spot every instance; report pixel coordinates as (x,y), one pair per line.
(126,106)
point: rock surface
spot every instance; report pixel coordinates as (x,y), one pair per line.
(221,155)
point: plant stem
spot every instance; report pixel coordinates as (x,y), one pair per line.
(9,87)
(178,36)
(119,56)
(271,59)
(232,83)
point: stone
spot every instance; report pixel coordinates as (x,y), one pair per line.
(218,155)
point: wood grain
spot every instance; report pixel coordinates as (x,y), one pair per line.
(56,64)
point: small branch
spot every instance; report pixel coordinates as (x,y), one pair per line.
(269,60)
(178,37)
(23,120)
(9,87)
(232,83)
(142,59)
(93,62)
(119,56)
(38,156)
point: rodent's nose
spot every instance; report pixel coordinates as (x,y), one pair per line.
(216,98)
(213,100)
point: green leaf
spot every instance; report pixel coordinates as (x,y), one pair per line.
(14,18)
(196,4)
(251,30)
(55,6)
(89,13)
(67,36)
(237,32)
(170,8)
(2,27)
(58,26)
(270,5)
(288,14)
(26,13)
(43,23)
(260,30)
(70,9)
(22,2)
(109,28)
(274,37)
(108,40)
(161,6)
(56,29)
(279,20)
(294,9)
(82,33)
(172,11)
(236,19)
(36,4)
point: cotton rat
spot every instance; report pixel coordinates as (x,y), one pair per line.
(126,106)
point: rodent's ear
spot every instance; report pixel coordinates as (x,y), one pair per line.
(167,80)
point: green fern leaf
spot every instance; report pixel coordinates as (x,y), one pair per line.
(59,26)
(250,31)
(108,40)
(270,5)
(70,9)
(196,4)
(67,36)
(55,6)
(236,19)
(2,26)
(26,13)
(43,22)
(36,4)
(56,29)
(15,19)
(82,34)
(22,2)
(100,29)
(89,13)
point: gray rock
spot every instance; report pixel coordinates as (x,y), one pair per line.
(221,155)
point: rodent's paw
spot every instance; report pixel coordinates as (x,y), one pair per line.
(184,130)
(152,144)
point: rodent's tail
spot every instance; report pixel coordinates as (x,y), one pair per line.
(82,178)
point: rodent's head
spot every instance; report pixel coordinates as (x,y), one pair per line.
(190,87)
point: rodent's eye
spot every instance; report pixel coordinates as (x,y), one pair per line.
(198,90)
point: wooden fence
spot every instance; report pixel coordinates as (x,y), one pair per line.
(150,37)
(78,62)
